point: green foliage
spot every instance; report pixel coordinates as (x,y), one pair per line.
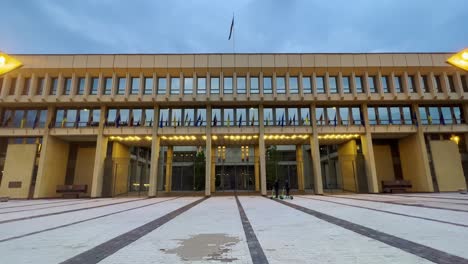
(199,165)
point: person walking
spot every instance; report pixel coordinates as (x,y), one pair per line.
(276,186)
(286,186)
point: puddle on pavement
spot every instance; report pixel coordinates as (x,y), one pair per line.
(205,247)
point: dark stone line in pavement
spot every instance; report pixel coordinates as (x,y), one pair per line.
(52,206)
(431,254)
(82,221)
(384,211)
(66,211)
(256,250)
(104,250)
(54,202)
(404,204)
(433,197)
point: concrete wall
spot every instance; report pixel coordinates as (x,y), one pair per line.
(447,165)
(346,157)
(121,158)
(52,167)
(19,165)
(84,167)
(383,164)
(414,165)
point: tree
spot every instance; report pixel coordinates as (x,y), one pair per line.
(272,158)
(199,175)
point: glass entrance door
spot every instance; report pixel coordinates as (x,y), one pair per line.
(235,177)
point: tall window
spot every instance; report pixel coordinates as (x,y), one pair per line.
(107,85)
(135,89)
(188,85)
(162,85)
(241,86)
(437,84)
(53,86)
(397,84)
(11,91)
(319,82)
(214,85)
(293,85)
(280,85)
(148,85)
(332,85)
(267,85)
(175,85)
(385,85)
(227,88)
(40,86)
(94,85)
(464,82)
(122,85)
(81,85)
(424,85)
(411,84)
(306,85)
(346,87)
(358,83)
(371,84)
(451,85)
(254,85)
(67,86)
(26,84)
(201,85)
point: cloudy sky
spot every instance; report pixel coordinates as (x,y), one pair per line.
(202,26)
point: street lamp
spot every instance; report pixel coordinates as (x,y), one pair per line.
(460,60)
(8,63)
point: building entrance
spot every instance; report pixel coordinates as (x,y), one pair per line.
(234,168)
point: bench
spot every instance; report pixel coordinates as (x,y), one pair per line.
(72,189)
(395,186)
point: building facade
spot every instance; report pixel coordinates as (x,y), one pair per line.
(212,123)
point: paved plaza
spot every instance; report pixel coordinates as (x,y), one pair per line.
(364,228)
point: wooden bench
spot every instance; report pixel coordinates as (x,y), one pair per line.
(395,186)
(72,189)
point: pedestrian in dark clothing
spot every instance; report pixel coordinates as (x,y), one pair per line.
(286,186)
(276,188)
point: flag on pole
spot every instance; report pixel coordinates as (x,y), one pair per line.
(321,119)
(198,120)
(334,121)
(282,120)
(228,121)
(78,119)
(36,120)
(294,120)
(442,119)
(174,121)
(130,122)
(161,122)
(240,120)
(117,119)
(215,120)
(307,121)
(429,119)
(23,121)
(415,120)
(253,121)
(64,121)
(232,28)
(186,120)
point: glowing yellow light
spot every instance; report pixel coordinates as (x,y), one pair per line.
(465,55)
(255,136)
(187,137)
(455,139)
(249,137)
(214,137)
(164,137)
(2,61)
(194,138)
(204,137)
(148,138)
(243,137)
(226,136)
(460,59)
(137,138)
(8,63)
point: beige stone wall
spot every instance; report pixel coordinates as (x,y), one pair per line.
(347,157)
(52,167)
(413,164)
(447,165)
(84,167)
(19,165)
(121,158)
(383,164)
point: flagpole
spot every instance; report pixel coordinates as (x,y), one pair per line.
(234,38)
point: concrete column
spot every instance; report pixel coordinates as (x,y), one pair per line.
(155,149)
(101,152)
(170,153)
(300,168)
(208,154)
(368,151)
(261,152)
(213,170)
(315,153)
(257,167)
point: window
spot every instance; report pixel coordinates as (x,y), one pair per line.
(228,117)
(227,88)
(11,91)
(346,88)
(332,85)
(371,84)
(423,115)
(53,86)
(148,117)
(464,82)
(94,85)
(344,115)
(188,85)
(268,116)
(175,85)
(305,116)
(81,85)
(280,85)
(411,84)
(358,83)
(407,118)
(437,84)
(293,117)
(395,115)
(254,85)
(67,83)
(397,84)
(451,85)
(280,115)
(319,116)
(424,85)
(267,85)
(356,116)
(214,85)
(383,116)
(306,85)
(135,89)
(201,85)
(122,85)
(40,86)
(162,84)
(385,86)
(320,84)
(253,116)
(107,85)
(293,85)
(148,85)
(26,84)
(241,86)
(372,116)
